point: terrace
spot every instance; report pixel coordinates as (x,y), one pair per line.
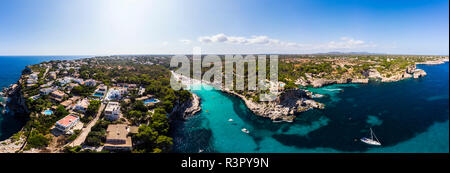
(117,138)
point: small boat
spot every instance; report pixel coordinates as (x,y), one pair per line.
(230,119)
(245,130)
(371,140)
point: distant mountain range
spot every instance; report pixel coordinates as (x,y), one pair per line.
(350,53)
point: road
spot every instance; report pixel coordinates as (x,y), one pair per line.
(46,71)
(85,131)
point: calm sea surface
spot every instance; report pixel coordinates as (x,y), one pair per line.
(407,116)
(10,70)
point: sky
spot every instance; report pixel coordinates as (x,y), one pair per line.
(111,27)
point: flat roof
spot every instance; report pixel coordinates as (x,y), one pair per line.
(117,132)
(58,93)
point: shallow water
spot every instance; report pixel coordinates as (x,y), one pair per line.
(407,116)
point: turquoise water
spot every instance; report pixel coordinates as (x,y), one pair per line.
(150,101)
(98,95)
(10,70)
(48,112)
(407,116)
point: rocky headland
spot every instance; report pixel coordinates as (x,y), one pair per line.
(286,106)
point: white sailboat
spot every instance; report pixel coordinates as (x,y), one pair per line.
(371,141)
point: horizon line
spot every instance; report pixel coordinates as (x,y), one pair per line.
(317,53)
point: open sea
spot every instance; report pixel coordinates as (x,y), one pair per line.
(10,70)
(409,116)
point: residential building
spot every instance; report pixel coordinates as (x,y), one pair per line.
(90,82)
(141,91)
(112,111)
(78,80)
(34,76)
(35,97)
(47,91)
(101,90)
(66,103)
(114,94)
(132,86)
(117,138)
(71,86)
(52,75)
(48,84)
(82,105)
(65,80)
(67,122)
(58,95)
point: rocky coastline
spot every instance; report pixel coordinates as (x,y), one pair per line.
(434,62)
(371,74)
(14,100)
(285,108)
(187,109)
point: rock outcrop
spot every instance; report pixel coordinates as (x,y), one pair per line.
(360,80)
(284,108)
(187,109)
(410,69)
(316,83)
(372,73)
(419,73)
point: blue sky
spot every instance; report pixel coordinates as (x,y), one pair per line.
(105,27)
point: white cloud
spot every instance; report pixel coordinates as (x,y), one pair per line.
(165,43)
(185,41)
(344,43)
(222,38)
(204,39)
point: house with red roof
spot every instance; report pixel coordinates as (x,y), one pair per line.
(67,122)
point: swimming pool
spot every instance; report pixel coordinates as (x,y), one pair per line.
(48,112)
(151,101)
(98,95)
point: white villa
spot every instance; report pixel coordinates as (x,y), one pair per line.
(112,111)
(65,80)
(114,94)
(90,82)
(47,91)
(101,90)
(82,105)
(78,80)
